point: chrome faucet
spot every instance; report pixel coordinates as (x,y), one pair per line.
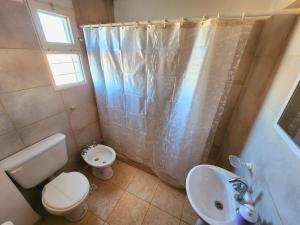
(241,187)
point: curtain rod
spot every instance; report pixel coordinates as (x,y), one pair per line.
(190,19)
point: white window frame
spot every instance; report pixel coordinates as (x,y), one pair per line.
(58,7)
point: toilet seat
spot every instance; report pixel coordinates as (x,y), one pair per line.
(65,192)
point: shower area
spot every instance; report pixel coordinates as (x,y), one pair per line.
(163,88)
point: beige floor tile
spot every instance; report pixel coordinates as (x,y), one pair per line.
(130,210)
(123,174)
(169,199)
(51,220)
(93,220)
(156,216)
(143,185)
(183,223)
(188,214)
(89,219)
(102,201)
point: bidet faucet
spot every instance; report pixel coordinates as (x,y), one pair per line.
(241,187)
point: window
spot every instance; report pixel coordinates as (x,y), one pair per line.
(66,68)
(57,33)
(56,27)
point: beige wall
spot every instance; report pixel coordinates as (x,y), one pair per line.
(135,10)
(274,179)
(30,108)
(280,4)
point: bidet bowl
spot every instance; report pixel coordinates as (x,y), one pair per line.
(211,195)
(100,157)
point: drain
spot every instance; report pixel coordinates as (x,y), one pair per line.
(219,205)
(96,159)
(103,162)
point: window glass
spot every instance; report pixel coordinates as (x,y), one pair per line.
(66,68)
(56,27)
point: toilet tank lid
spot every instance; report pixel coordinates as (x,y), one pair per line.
(30,152)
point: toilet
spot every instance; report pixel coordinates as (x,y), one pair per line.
(100,158)
(66,194)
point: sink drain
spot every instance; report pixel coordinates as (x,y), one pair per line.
(96,159)
(219,205)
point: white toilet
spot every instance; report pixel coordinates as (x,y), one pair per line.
(100,157)
(66,194)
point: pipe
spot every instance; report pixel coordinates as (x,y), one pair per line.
(183,20)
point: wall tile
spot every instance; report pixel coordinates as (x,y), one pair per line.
(45,128)
(294,47)
(29,106)
(10,143)
(287,73)
(237,136)
(16,27)
(264,205)
(259,74)
(22,69)
(254,37)
(78,95)
(274,35)
(5,123)
(93,11)
(248,108)
(88,134)
(83,115)
(280,163)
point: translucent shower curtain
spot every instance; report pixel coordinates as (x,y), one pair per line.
(161,90)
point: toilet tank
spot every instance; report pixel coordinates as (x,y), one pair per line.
(32,165)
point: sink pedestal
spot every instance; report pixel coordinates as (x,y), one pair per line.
(200,222)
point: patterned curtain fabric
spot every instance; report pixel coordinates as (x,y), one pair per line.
(161,90)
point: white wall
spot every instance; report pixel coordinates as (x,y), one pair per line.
(136,10)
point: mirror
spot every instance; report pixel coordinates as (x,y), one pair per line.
(289,120)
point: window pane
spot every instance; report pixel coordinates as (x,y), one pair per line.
(56,27)
(66,68)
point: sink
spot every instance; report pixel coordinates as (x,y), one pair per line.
(211,195)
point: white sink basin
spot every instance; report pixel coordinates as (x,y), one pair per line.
(211,195)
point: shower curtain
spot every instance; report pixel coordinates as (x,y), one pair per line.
(161,89)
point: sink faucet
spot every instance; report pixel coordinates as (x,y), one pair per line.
(241,187)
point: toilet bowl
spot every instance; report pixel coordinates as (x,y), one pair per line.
(66,196)
(100,157)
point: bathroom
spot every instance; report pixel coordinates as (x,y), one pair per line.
(125,112)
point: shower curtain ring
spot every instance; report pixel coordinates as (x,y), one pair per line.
(203,18)
(182,21)
(243,16)
(164,22)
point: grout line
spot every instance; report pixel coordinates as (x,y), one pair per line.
(118,201)
(38,121)
(25,89)
(272,199)
(149,205)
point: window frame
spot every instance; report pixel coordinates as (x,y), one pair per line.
(58,48)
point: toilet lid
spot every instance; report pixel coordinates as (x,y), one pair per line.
(65,191)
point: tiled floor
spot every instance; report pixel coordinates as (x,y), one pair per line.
(133,197)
